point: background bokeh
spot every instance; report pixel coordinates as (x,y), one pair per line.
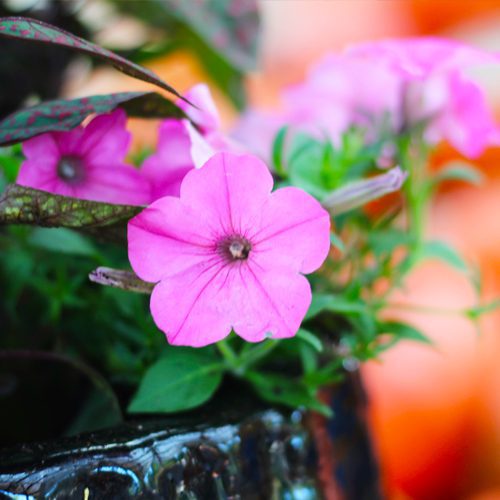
(435,412)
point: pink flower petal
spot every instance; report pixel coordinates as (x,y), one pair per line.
(205,114)
(230,190)
(41,148)
(106,139)
(166,239)
(188,306)
(172,161)
(38,174)
(268,303)
(115,183)
(288,237)
(201,150)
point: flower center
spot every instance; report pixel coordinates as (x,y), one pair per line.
(235,248)
(71,169)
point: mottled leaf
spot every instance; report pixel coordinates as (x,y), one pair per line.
(37,31)
(63,114)
(23,205)
(118,278)
(229,26)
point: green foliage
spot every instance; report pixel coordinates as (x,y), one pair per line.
(183,379)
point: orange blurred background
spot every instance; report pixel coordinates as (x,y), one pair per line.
(435,412)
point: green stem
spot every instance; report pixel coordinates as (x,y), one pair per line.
(228,354)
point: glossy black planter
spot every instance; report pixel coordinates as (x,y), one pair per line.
(232,449)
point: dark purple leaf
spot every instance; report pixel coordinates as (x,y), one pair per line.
(65,115)
(33,30)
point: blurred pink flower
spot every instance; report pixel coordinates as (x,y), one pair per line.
(386,86)
(86,163)
(229,254)
(435,87)
(182,147)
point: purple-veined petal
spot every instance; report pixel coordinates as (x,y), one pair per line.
(167,238)
(268,303)
(230,189)
(189,306)
(294,232)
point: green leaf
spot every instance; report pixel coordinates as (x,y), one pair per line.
(459,171)
(37,31)
(281,389)
(23,205)
(64,115)
(305,165)
(62,240)
(334,303)
(442,251)
(310,339)
(277,151)
(337,242)
(185,378)
(403,331)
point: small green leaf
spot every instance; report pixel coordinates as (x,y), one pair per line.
(310,339)
(475,312)
(460,172)
(281,389)
(62,240)
(33,30)
(334,303)
(185,378)
(403,331)
(277,151)
(442,251)
(337,242)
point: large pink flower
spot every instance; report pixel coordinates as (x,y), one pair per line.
(182,147)
(86,163)
(229,254)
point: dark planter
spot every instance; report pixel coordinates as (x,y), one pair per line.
(234,448)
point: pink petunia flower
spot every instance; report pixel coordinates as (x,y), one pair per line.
(387,86)
(86,163)
(229,254)
(182,147)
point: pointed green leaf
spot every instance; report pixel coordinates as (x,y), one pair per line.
(185,378)
(403,331)
(442,251)
(63,114)
(460,172)
(333,303)
(310,339)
